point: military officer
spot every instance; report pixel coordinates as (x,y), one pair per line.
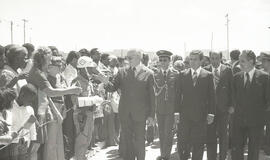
(165,91)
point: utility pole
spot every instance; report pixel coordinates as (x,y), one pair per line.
(11,32)
(185,49)
(24,34)
(227,24)
(212,35)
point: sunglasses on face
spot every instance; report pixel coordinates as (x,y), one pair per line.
(163,60)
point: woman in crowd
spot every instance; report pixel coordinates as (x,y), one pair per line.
(15,60)
(69,74)
(38,77)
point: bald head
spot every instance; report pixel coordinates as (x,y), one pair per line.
(134,57)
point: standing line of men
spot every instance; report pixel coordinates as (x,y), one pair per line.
(214,102)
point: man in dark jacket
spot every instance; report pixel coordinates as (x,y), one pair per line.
(222,78)
(197,108)
(250,101)
(136,103)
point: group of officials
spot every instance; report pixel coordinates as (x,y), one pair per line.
(212,102)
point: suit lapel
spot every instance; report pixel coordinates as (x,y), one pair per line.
(221,74)
(189,77)
(242,83)
(254,78)
(199,77)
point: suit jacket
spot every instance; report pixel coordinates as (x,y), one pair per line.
(199,100)
(236,67)
(137,96)
(223,92)
(250,104)
(165,106)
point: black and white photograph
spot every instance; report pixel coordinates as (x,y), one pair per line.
(134,80)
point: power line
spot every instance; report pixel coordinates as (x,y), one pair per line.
(227,24)
(24,32)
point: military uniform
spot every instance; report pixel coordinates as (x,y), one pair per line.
(165,93)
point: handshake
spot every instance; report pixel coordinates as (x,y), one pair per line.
(102,78)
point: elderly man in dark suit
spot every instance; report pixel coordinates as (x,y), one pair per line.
(197,108)
(222,78)
(250,100)
(165,92)
(136,103)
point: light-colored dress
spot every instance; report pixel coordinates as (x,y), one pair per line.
(49,134)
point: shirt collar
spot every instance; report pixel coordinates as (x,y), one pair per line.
(167,70)
(218,68)
(251,73)
(139,67)
(198,70)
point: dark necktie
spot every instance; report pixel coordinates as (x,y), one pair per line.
(216,77)
(247,84)
(133,70)
(194,78)
(165,75)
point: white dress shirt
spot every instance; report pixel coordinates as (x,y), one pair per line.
(251,74)
(198,70)
(218,69)
(138,68)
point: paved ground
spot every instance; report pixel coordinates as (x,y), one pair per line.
(111,153)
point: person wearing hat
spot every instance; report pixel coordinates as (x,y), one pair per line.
(165,94)
(84,116)
(265,59)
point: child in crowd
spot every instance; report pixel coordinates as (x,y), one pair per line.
(6,135)
(21,111)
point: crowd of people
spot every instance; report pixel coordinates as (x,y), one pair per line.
(60,108)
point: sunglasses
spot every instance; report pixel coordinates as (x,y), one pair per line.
(163,60)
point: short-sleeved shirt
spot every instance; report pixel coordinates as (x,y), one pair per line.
(8,119)
(6,75)
(20,115)
(39,80)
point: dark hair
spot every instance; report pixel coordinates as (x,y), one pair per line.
(39,57)
(234,54)
(93,51)
(1,102)
(84,52)
(103,57)
(7,47)
(250,55)
(30,47)
(2,50)
(145,59)
(28,89)
(211,52)
(71,56)
(176,58)
(13,52)
(197,52)
(8,95)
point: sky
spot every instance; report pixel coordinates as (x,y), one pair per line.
(151,25)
